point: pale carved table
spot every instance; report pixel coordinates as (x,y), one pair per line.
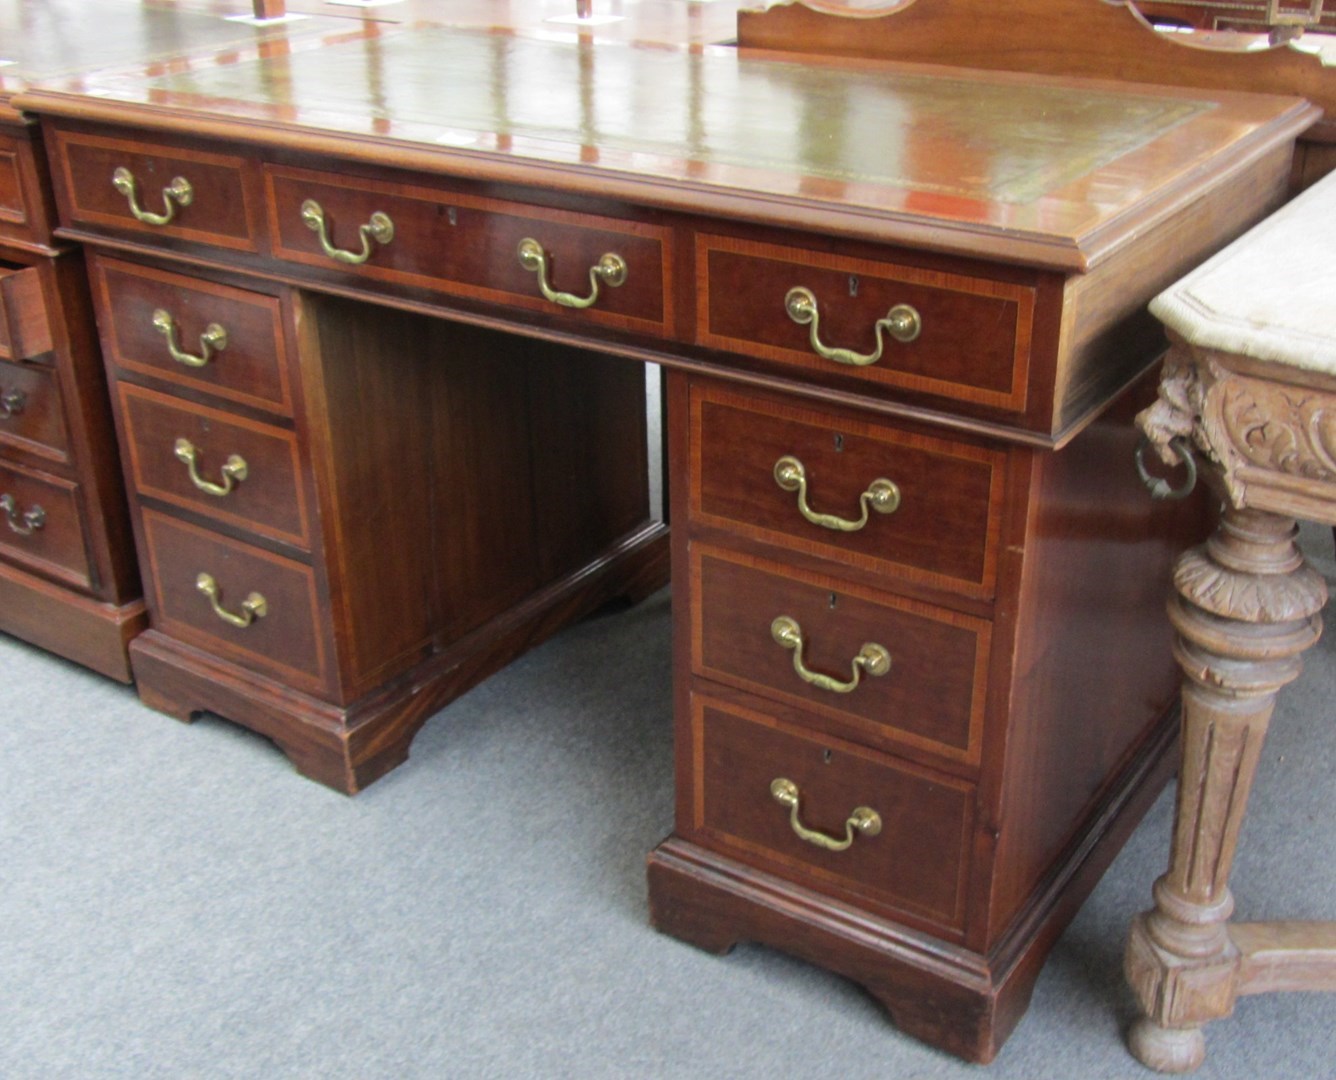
(1250,387)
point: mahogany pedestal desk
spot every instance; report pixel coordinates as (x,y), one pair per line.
(922,684)
(1251,385)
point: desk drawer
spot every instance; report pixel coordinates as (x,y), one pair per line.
(469,247)
(285,641)
(918,860)
(25,329)
(32,417)
(228,468)
(25,211)
(158,189)
(973,341)
(921,675)
(943,531)
(41,525)
(230,340)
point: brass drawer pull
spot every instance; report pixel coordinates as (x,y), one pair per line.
(610,270)
(872,658)
(24,524)
(234,469)
(902,322)
(177,193)
(379,228)
(214,339)
(12,403)
(881,495)
(253,607)
(863,820)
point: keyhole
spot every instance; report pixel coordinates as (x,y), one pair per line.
(826,755)
(853,284)
(839,443)
(452,216)
(833,601)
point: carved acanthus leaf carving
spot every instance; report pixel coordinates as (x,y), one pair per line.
(1287,429)
(1253,598)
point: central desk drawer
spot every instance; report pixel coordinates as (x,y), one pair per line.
(156,188)
(254,608)
(469,247)
(972,334)
(41,525)
(888,671)
(193,333)
(225,467)
(766,469)
(916,861)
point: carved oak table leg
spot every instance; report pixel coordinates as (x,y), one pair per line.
(1246,607)
(1250,383)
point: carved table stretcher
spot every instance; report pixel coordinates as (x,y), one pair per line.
(1250,384)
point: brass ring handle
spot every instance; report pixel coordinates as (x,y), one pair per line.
(1158,487)
(873,658)
(234,469)
(902,322)
(177,193)
(379,228)
(214,339)
(863,820)
(253,607)
(12,403)
(882,495)
(609,270)
(24,524)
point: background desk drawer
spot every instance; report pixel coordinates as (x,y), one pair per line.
(285,641)
(25,331)
(156,188)
(929,693)
(32,417)
(251,469)
(974,338)
(918,860)
(943,531)
(468,246)
(246,365)
(41,525)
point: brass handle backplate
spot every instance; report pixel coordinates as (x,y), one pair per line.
(902,322)
(177,193)
(24,524)
(12,403)
(379,228)
(873,658)
(214,339)
(881,495)
(863,820)
(610,270)
(253,607)
(234,469)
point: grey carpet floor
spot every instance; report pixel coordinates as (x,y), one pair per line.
(176,902)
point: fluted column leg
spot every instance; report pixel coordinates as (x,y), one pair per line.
(1246,606)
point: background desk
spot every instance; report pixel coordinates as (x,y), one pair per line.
(1024,720)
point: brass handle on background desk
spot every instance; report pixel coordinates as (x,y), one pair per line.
(902,322)
(253,607)
(234,469)
(881,495)
(872,658)
(177,193)
(214,339)
(24,524)
(863,820)
(12,403)
(379,228)
(610,270)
